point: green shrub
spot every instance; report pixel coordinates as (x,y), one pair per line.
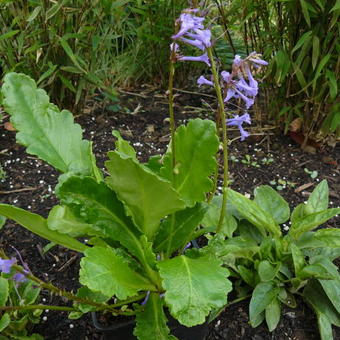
(302,40)
(65,45)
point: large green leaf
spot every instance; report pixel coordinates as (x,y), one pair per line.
(196,145)
(96,204)
(104,270)
(272,203)
(318,200)
(124,147)
(212,217)
(311,221)
(176,230)
(262,296)
(4,322)
(148,197)
(38,225)
(45,131)
(316,297)
(253,213)
(194,286)
(151,322)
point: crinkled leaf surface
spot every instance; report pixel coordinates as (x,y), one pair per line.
(45,131)
(253,213)
(38,225)
(98,205)
(176,230)
(330,237)
(272,202)
(196,147)
(105,271)
(194,286)
(147,196)
(151,322)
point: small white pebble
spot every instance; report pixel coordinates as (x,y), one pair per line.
(71,325)
(286,228)
(44,318)
(246,195)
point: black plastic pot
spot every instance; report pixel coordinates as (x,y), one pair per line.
(124,330)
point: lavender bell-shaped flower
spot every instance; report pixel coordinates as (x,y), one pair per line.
(188,22)
(6,265)
(203,58)
(204,81)
(238,121)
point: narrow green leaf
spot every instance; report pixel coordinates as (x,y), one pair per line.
(104,270)
(194,286)
(332,83)
(320,67)
(311,221)
(316,51)
(196,147)
(325,327)
(67,48)
(262,296)
(53,10)
(273,314)
(267,271)
(305,37)
(9,34)
(298,258)
(4,322)
(34,14)
(330,237)
(272,202)
(178,228)
(51,135)
(148,197)
(316,297)
(151,323)
(336,7)
(253,213)
(4,291)
(318,200)
(38,225)
(305,12)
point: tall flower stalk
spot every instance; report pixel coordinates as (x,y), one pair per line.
(238,84)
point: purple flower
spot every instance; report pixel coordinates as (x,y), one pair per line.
(196,43)
(237,60)
(226,76)
(202,35)
(204,81)
(188,22)
(6,265)
(238,121)
(255,58)
(204,58)
(250,91)
(230,94)
(19,277)
(248,101)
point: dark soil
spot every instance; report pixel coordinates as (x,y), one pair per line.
(142,119)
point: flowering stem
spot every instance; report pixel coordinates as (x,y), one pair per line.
(222,118)
(172,115)
(72,297)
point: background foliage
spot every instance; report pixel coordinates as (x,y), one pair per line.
(301,38)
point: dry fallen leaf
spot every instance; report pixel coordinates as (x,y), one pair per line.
(9,127)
